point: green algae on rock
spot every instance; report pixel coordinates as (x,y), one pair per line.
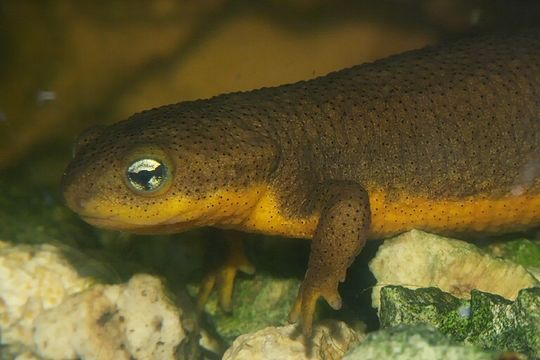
(497,323)
(431,306)
(414,342)
(418,259)
(527,308)
(487,320)
(259,301)
(521,251)
(37,216)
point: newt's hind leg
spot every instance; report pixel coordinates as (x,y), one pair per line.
(339,237)
(223,274)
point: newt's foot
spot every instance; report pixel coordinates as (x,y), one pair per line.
(310,291)
(222,278)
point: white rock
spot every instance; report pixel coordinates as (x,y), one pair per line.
(418,259)
(133,320)
(33,278)
(48,311)
(17,352)
(27,355)
(330,340)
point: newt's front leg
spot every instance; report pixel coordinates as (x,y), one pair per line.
(340,235)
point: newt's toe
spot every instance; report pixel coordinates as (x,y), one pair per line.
(223,276)
(306,302)
(205,289)
(224,287)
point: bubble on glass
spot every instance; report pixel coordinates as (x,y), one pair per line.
(44,96)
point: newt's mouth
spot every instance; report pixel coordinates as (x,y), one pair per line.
(144,229)
(105,223)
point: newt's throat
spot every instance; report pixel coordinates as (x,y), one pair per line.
(227,207)
(258,209)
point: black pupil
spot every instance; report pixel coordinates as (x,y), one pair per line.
(147,180)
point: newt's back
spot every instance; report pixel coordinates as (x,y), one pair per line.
(445,138)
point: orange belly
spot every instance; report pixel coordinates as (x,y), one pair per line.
(470,214)
(390,216)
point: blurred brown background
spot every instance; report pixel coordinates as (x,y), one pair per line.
(65,65)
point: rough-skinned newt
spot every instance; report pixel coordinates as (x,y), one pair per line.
(444,139)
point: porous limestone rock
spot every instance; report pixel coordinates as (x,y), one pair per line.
(47,310)
(17,352)
(129,321)
(33,278)
(27,355)
(417,259)
(331,340)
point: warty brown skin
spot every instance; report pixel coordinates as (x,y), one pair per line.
(456,124)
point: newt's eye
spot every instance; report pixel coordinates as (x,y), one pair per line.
(147,176)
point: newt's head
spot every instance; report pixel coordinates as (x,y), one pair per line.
(168,169)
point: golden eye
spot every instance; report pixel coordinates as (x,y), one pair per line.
(147,176)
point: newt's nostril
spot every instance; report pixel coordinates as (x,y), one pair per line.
(82,203)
